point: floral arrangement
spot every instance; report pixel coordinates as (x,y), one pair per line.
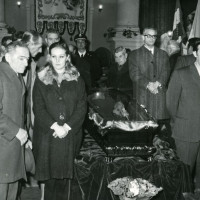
(111,32)
(133,189)
(163,150)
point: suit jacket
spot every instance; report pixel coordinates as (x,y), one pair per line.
(173,60)
(11,119)
(183,97)
(145,67)
(89,68)
(42,58)
(184,61)
(120,79)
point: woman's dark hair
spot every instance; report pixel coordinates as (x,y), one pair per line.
(61,45)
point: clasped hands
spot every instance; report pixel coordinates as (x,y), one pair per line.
(153,87)
(60,131)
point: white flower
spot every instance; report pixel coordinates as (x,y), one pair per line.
(134,187)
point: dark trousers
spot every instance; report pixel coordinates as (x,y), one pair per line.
(57,189)
(8,191)
(189,153)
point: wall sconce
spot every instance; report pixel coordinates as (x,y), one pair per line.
(19,4)
(100,7)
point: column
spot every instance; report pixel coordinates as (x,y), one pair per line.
(2,15)
(127,19)
(3,30)
(128,13)
(28,15)
(90,20)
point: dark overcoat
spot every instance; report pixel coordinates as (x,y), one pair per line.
(183,103)
(89,67)
(120,79)
(12,91)
(144,67)
(185,60)
(66,103)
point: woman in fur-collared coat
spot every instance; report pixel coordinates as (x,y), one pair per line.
(59,104)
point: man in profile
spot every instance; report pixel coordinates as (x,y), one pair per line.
(86,62)
(183,97)
(13,136)
(51,37)
(118,76)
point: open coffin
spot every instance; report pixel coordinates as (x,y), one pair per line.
(120,125)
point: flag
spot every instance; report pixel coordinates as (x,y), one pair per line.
(178,30)
(195,30)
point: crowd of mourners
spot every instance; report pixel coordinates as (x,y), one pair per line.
(44,83)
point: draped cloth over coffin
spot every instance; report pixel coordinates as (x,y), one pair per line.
(93,173)
(58,13)
(173,176)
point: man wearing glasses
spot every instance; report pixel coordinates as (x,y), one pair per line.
(149,69)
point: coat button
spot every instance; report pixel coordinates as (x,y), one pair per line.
(62,117)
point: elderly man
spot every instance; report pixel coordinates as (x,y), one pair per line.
(150,70)
(183,97)
(33,40)
(52,36)
(12,133)
(118,76)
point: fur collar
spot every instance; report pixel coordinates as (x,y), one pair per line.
(47,76)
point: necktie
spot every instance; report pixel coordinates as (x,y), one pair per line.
(23,105)
(21,79)
(81,55)
(29,85)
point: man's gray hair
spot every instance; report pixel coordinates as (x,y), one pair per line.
(120,49)
(13,45)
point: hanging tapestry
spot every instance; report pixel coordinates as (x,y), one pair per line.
(60,13)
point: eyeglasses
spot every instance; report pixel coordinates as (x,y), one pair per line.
(151,36)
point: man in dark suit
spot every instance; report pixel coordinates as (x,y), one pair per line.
(183,97)
(12,133)
(118,76)
(150,69)
(86,62)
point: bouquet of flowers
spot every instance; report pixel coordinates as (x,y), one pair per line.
(133,189)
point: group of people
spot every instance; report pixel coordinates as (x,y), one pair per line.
(170,93)
(46,107)
(43,103)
